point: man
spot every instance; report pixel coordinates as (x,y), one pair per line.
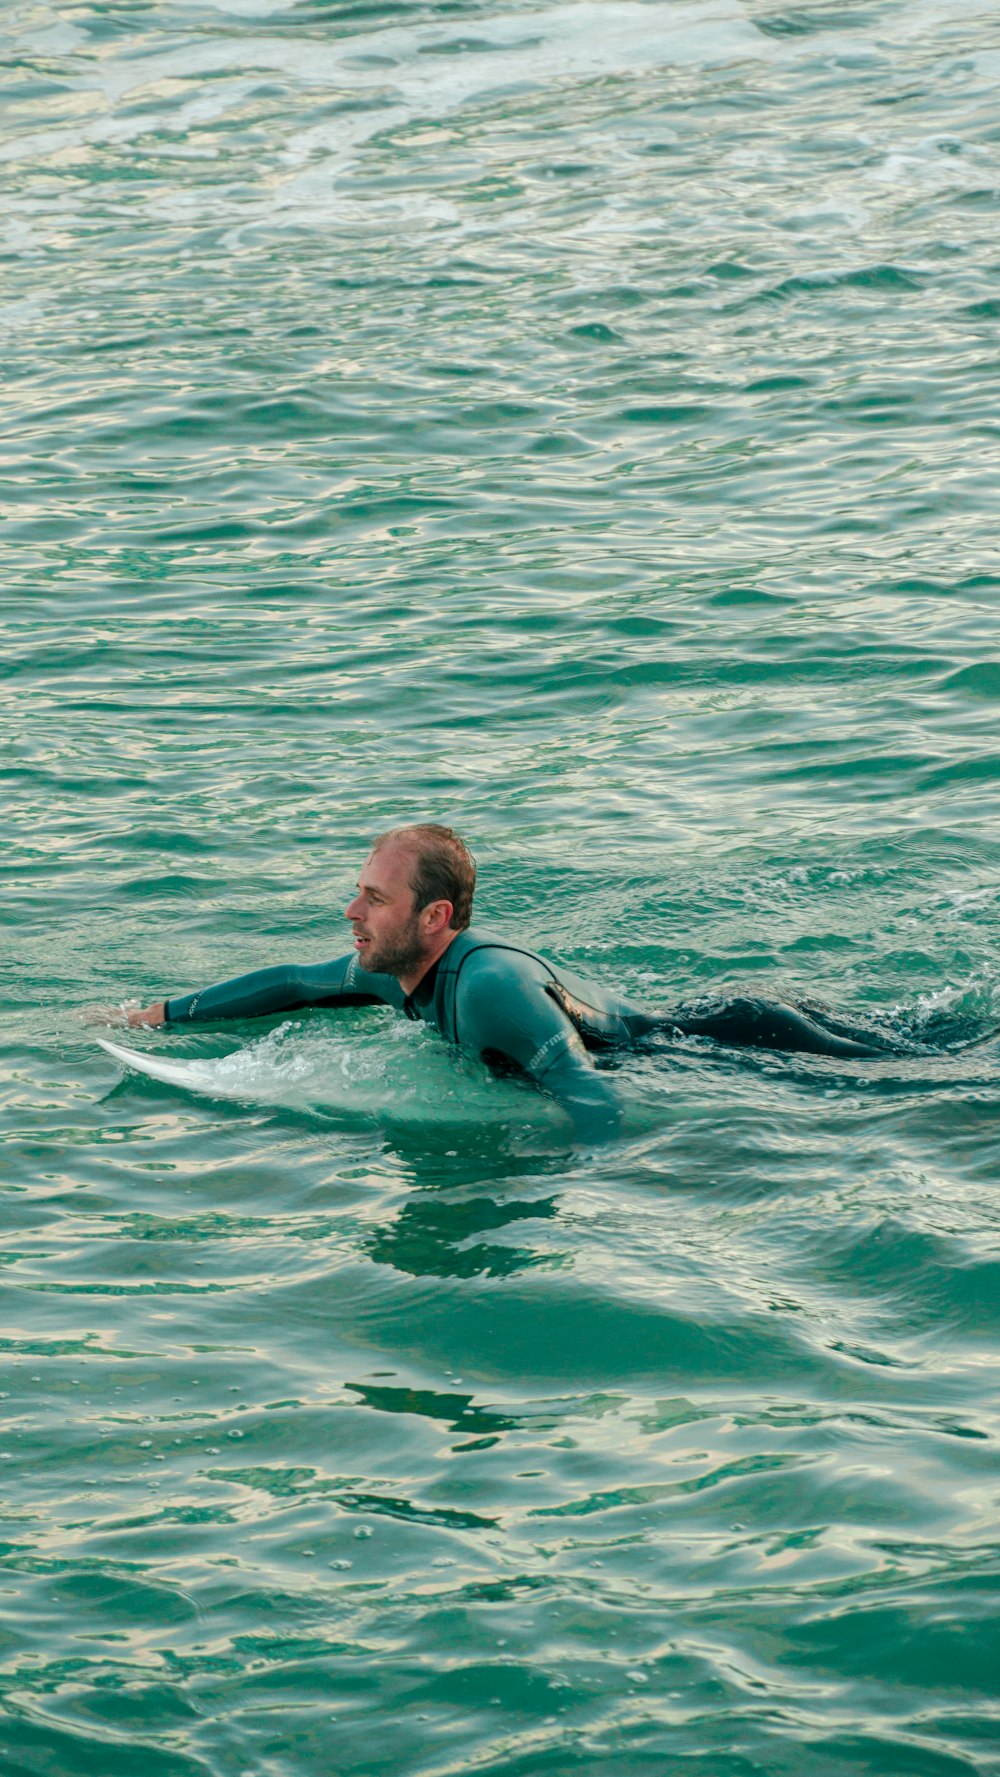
(414,949)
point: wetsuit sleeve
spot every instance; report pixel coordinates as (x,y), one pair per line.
(284,989)
(503,1009)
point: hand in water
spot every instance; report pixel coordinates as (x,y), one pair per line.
(127,1014)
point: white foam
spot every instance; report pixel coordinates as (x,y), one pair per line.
(585,38)
(248,9)
(935,164)
(400,1070)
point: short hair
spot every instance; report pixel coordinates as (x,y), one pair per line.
(444,868)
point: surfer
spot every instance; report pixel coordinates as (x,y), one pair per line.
(415,950)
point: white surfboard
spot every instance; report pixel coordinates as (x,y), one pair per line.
(195,1076)
(299,1072)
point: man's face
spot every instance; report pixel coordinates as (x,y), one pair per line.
(387,932)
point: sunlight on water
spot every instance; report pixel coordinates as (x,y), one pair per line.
(577,423)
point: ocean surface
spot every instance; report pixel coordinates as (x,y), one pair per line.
(577,423)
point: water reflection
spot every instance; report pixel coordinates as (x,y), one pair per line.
(436,1237)
(457,1411)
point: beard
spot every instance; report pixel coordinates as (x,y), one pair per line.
(401,955)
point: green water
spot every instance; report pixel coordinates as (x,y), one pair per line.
(578,423)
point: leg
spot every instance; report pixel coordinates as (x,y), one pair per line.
(747,1023)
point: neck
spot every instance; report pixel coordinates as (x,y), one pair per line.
(410,982)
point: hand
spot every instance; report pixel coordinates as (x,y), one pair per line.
(153,1016)
(150,1016)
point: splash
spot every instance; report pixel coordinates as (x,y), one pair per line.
(402,1071)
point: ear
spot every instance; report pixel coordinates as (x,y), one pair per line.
(437,917)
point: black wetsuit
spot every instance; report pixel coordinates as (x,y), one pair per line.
(512,1008)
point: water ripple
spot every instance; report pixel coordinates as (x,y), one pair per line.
(574,421)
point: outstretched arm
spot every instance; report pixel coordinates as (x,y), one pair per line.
(287,988)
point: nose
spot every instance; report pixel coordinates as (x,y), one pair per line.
(354,910)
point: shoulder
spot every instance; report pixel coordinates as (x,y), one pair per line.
(346,979)
(490,950)
(501,1002)
(483,961)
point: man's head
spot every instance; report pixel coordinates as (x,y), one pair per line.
(414,894)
